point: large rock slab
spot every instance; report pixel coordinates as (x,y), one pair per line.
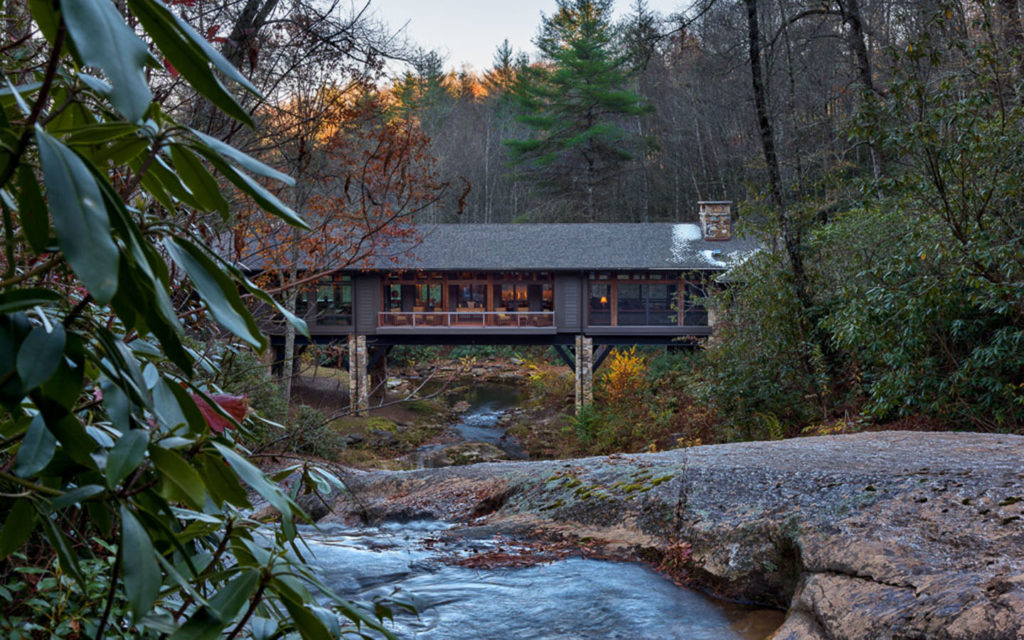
(870,536)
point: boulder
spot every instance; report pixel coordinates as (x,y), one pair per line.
(314,506)
(382,438)
(867,536)
(464,453)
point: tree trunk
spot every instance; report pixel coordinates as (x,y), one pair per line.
(1012,34)
(792,233)
(288,366)
(242,46)
(645,183)
(869,91)
(764,123)
(591,180)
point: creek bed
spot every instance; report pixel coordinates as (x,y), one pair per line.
(479,423)
(567,598)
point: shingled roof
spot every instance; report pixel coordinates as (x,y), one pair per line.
(556,247)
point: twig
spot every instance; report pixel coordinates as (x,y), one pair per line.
(38,488)
(36,270)
(37,109)
(256,598)
(110,595)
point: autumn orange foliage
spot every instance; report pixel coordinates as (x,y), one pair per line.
(365,176)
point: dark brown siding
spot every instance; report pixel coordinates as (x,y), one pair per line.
(366,300)
(568,302)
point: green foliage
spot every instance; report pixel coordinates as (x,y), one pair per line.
(309,432)
(918,293)
(948,299)
(241,372)
(936,319)
(587,423)
(549,385)
(46,600)
(106,431)
(762,361)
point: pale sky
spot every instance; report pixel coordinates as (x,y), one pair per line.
(468,32)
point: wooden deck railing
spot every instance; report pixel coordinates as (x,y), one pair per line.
(491,319)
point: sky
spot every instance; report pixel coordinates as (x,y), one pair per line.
(467,32)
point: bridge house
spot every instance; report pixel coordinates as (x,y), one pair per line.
(575,287)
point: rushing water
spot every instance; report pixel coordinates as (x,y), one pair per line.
(566,599)
(481,421)
(487,403)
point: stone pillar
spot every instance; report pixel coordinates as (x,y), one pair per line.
(584,372)
(353,378)
(358,389)
(713,325)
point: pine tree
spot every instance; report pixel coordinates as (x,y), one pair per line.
(500,78)
(640,35)
(420,93)
(575,101)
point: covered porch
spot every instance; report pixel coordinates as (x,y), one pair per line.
(504,300)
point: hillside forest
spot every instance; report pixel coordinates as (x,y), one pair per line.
(873,147)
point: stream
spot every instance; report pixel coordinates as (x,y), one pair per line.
(567,599)
(481,422)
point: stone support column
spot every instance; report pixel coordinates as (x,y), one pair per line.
(358,384)
(713,325)
(584,372)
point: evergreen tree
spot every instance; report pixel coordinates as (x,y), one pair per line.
(420,93)
(500,78)
(640,35)
(575,102)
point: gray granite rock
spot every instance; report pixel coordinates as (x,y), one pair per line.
(869,536)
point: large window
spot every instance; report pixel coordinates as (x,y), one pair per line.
(334,300)
(518,298)
(645,299)
(327,302)
(523,296)
(695,312)
(632,303)
(646,303)
(600,306)
(662,303)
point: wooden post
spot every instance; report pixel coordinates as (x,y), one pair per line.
(584,372)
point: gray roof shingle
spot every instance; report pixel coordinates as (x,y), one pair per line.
(564,246)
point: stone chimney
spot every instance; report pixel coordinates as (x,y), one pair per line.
(715,219)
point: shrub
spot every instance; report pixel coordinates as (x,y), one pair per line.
(622,383)
(549,385)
